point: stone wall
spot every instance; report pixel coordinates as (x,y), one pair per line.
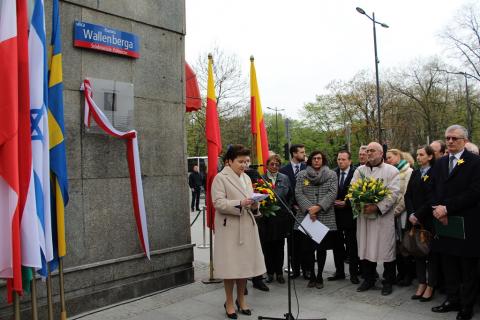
(104,262)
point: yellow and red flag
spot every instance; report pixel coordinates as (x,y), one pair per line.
(214,142)
(259,133)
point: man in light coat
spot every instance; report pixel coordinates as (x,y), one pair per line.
(376,227)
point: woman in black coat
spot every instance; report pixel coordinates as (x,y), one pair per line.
(418,205)
(273,229)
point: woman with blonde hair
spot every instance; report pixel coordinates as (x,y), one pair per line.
(405,265)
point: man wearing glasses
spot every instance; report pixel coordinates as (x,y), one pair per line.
(456,193)
(376,227)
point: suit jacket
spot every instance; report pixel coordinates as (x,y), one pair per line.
(418,198)
(344,216)
(288,170)
(459,191)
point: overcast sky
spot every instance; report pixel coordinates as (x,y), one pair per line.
(300,46)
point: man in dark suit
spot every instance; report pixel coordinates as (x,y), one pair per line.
(297,164)
(456,192)
(346,225)
(195,181)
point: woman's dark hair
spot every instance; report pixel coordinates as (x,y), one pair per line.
(313,154)
(429,151)
(236,151)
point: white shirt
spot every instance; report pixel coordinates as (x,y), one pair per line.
(294,165)
(457,156)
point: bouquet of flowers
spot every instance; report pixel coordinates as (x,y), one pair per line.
(364,191)
(268,206)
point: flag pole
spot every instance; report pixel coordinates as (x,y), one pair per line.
(63,312)
(211,279)
(49,294)
(16,305)
(34,296)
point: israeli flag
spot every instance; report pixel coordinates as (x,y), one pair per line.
(39,130)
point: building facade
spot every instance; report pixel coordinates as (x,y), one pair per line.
(105,263)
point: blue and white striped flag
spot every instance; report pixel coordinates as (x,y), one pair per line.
(39,129)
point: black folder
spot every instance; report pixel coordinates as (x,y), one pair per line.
(454,229)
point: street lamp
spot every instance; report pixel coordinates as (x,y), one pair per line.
(276,126)
(360,10)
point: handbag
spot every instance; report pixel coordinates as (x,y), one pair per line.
(416,242)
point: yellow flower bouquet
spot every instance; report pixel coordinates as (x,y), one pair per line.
(268,206)
(364,191)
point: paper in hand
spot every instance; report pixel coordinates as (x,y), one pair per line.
(317,230)
(257,197)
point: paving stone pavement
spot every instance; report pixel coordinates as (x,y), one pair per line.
(338,300)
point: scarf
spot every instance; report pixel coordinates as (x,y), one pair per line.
(402,164)
(315,177)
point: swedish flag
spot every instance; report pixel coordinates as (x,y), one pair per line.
(58,160)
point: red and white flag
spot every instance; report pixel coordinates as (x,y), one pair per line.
(10,253)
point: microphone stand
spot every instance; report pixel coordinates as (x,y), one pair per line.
(289,315)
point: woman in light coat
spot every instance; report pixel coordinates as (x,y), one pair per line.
(405,265)
(238,253)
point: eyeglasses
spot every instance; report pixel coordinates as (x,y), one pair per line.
(273,164)
(317,158)
(454,139)
(371,150)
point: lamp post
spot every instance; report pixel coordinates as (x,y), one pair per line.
(361,11)
(276,126)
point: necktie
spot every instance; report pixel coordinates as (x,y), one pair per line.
(297,169)
(450,164)
(342,180)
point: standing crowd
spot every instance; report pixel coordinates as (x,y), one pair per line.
(437,198)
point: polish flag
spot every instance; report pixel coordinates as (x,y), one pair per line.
(10,255)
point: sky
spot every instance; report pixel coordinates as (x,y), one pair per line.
(301,46)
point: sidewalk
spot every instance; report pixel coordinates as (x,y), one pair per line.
(338,300)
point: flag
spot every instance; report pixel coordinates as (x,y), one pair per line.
(28,215)
(214,142)
(39,130)
(58,159)
(10,252)
(259,132)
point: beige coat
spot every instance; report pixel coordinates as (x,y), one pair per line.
(376,237)
(237,250)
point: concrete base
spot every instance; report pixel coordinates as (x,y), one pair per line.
(81,298)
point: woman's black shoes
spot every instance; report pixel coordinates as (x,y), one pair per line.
(246,312)
(230,315)
(423,299)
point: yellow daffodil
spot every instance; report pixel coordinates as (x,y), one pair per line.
(306,182)
(425,178)
(460,162)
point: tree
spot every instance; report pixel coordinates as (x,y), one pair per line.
(232,101)
(463,39)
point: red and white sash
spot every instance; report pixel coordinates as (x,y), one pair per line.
(91,109)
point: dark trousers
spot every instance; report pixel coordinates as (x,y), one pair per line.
(195,199)
(461,279)
(274,254)
(405,266)
(296,251)
(369,268)
(311,247)
(427,266)
(345,245)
